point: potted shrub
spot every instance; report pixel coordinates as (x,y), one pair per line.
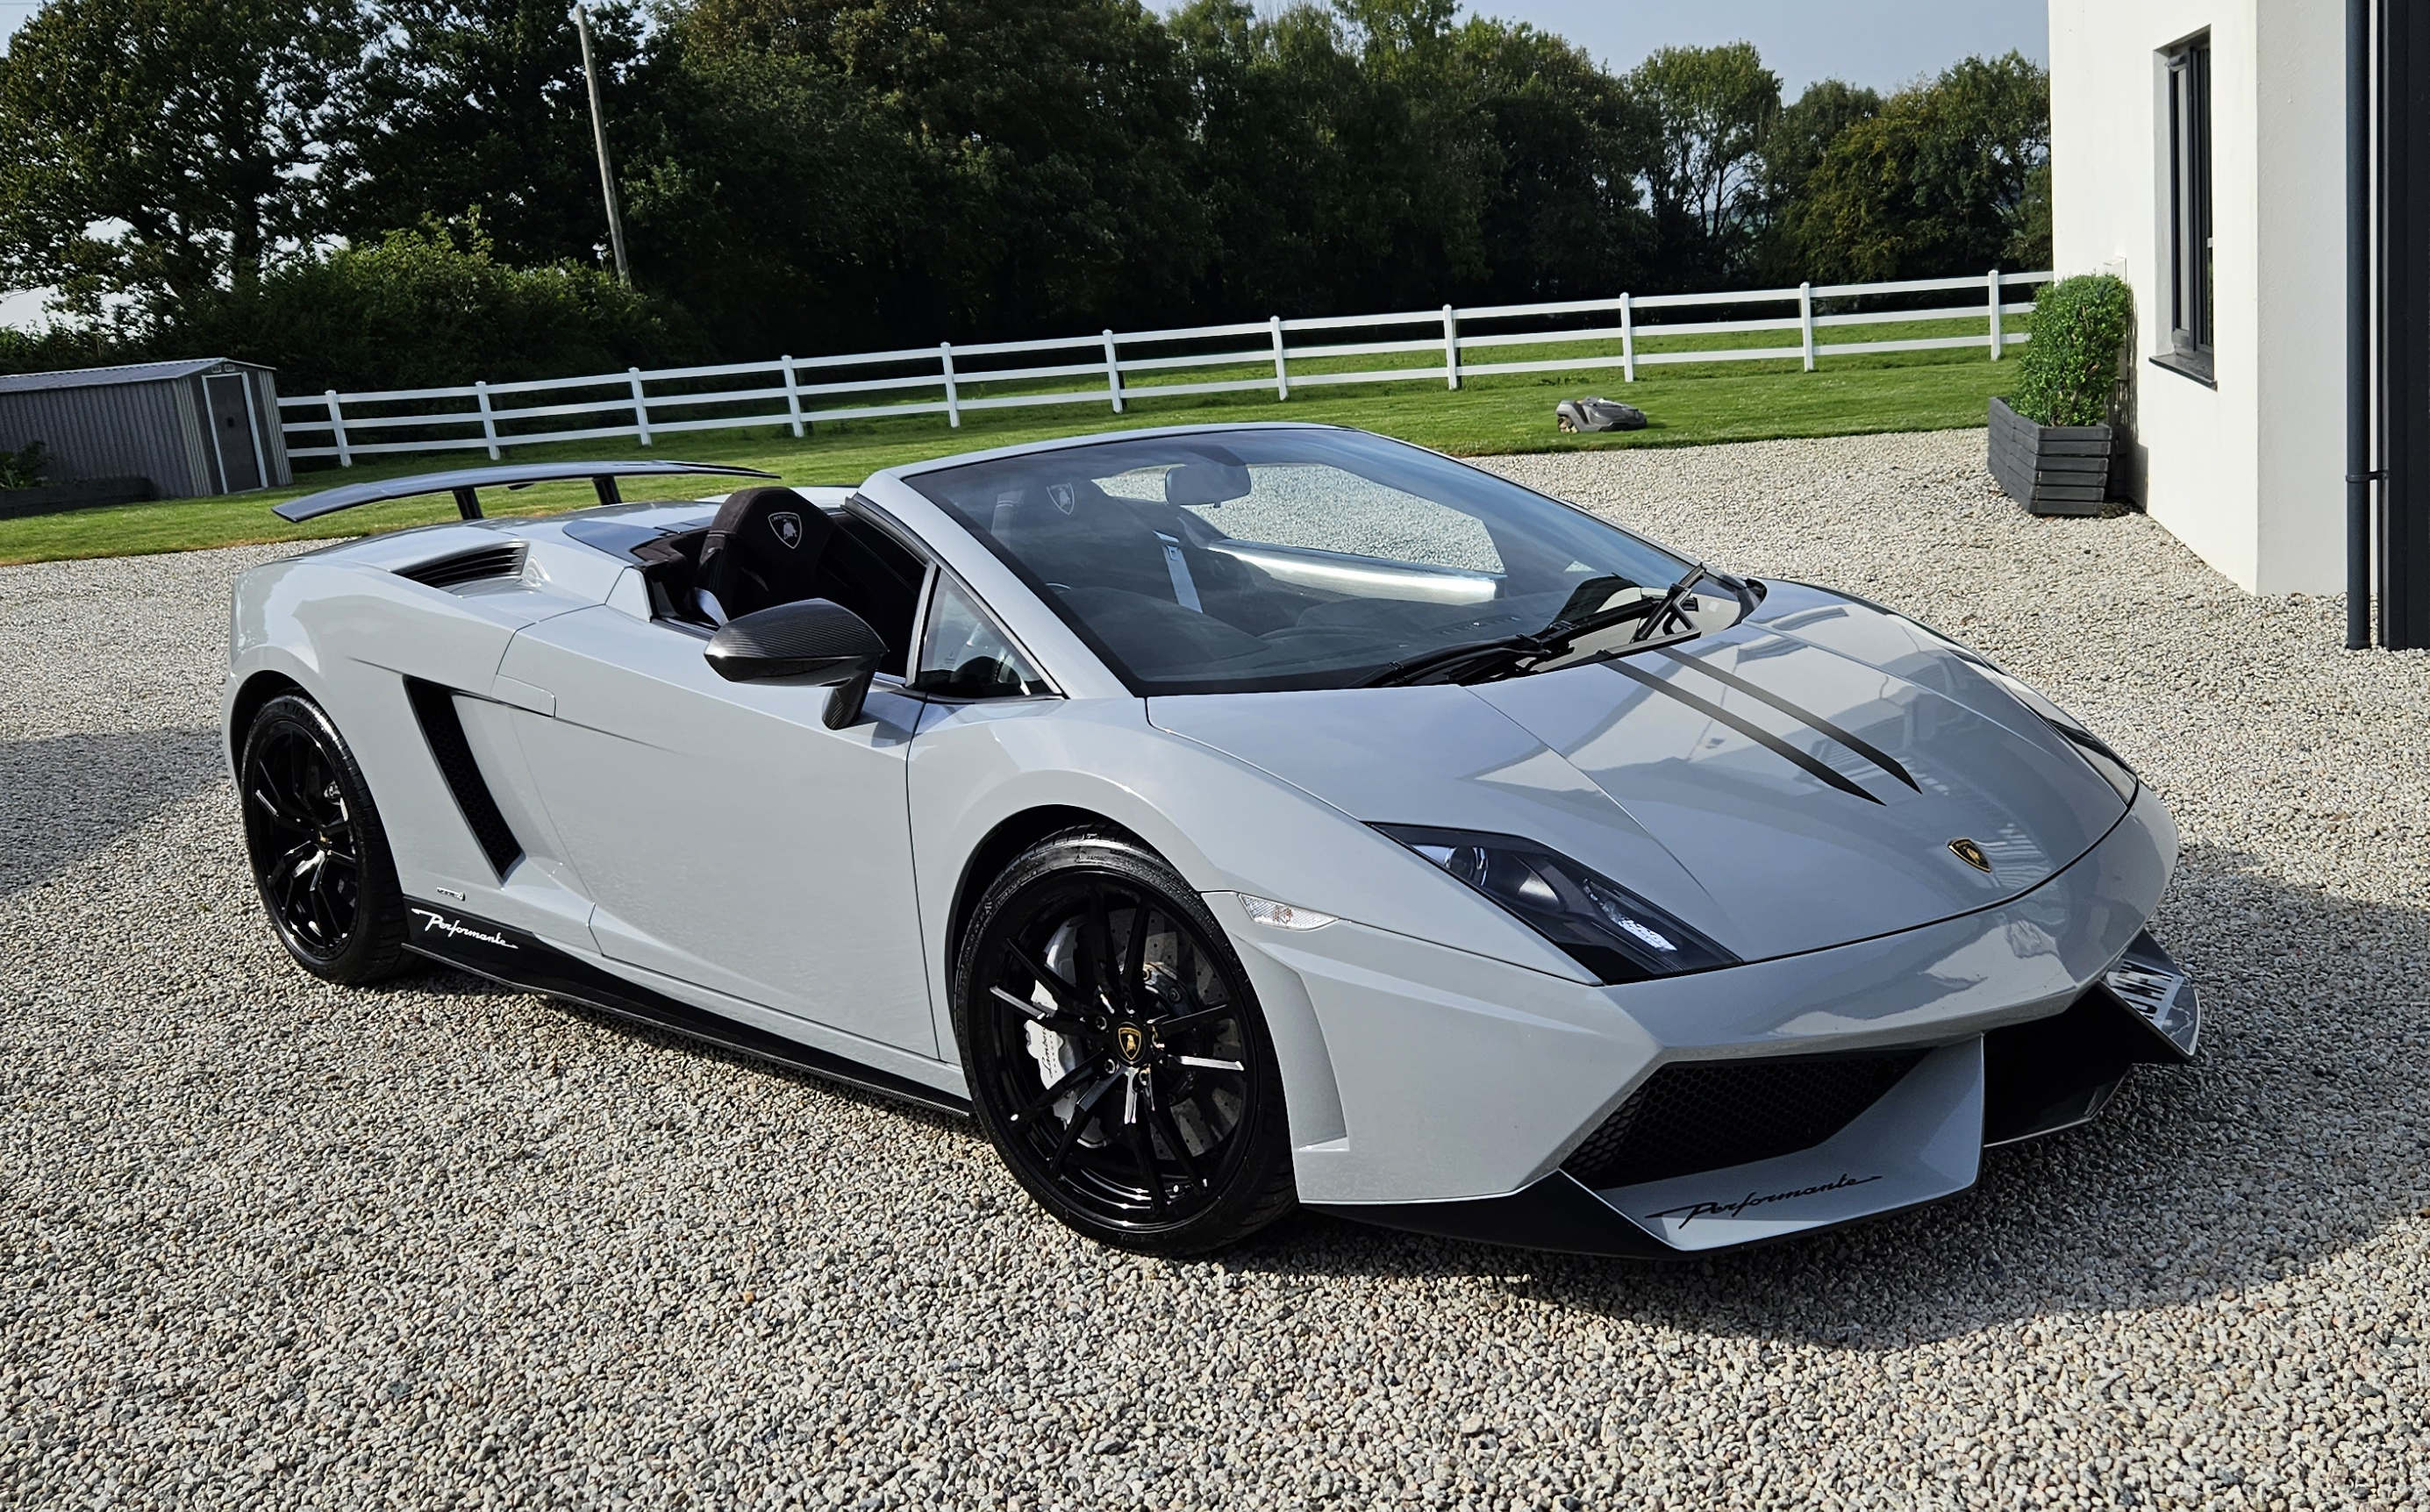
(2052,441)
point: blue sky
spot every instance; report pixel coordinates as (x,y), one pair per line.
(1880,42)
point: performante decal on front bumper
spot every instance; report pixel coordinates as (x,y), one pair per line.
(1696,1210)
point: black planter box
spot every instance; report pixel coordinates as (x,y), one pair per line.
(56,498)
(2050,469)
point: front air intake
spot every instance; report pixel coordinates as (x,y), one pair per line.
(468,566)
(1707,1115)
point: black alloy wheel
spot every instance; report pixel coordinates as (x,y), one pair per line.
(320,857)
(1115,1054)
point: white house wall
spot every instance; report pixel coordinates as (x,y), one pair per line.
(2250,474)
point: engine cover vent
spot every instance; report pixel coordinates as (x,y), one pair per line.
(468,566)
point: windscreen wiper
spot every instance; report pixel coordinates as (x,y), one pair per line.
(1551,640)
(1670,598)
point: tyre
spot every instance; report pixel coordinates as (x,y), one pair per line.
(1117,1057)
(320,857)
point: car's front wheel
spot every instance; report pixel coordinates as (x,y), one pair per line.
(1117,1057)
(320,857)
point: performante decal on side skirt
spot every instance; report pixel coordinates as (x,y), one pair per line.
(1806,716)
(1752,731)
(519,959)
(454,929)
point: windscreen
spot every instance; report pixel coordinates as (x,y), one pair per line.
(1255,560)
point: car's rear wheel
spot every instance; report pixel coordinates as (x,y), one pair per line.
(320,857)
(1116,1054)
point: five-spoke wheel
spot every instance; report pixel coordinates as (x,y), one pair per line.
(1117,1057)
(319,854)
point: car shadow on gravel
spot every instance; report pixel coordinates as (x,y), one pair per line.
(66,796)
(430,976)
(2303,1130)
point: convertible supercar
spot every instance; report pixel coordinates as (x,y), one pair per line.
(1228,818)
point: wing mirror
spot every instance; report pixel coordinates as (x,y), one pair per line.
(815,642)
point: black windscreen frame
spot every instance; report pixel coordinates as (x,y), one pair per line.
(434,710)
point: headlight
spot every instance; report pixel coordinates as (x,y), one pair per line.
(2095,751)
(1604,927)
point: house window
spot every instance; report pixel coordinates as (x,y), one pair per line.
(2189,224)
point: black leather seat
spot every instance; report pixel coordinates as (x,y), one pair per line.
(1075,536)
(763,550)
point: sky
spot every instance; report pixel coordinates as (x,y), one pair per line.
(1879,42)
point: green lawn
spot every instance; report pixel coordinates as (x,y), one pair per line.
(1688,405)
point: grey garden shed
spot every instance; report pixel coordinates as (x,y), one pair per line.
(202,425)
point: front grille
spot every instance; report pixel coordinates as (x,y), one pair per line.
(1707,1115)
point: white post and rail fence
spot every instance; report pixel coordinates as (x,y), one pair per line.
(1115,369)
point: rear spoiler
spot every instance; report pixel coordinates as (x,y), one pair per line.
(463,481)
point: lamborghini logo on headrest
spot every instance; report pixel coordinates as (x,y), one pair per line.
(787,527)
(1969,852)
(1065,497)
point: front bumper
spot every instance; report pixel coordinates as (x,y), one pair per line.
(1474,1098)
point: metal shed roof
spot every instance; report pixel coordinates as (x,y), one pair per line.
(129,373)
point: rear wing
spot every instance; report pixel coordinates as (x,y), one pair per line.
(462,483)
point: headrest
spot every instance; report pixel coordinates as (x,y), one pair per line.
(1204,483)
(771,524)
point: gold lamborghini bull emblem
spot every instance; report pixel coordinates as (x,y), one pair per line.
(1131,1041)
(1969,852)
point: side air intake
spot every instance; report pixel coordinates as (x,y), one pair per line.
(468,566)
(435,707)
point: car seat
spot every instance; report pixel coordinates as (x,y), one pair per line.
(761,550)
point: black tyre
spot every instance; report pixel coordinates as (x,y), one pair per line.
(1117,1057)
(320,857)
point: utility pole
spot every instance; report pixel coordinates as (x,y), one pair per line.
(599,136)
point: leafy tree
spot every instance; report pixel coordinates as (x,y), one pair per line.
(1940,181)
(482,102)
(156,150)
(1055,130)
(431,306)
(779,202)
(1710,110)
(1563,217)
(1791,151)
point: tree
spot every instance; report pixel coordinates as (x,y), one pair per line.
(1941,181)
(1709,110)
(1055,133)
(157,150)
(781,203)
(1563,218)
(1791,151)
(482,102)
(432,306)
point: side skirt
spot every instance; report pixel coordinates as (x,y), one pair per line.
(514,958)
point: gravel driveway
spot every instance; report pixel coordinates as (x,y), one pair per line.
(268,1243)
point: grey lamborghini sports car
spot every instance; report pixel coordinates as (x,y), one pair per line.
(1228,818)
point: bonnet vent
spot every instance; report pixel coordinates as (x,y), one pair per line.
(468,566)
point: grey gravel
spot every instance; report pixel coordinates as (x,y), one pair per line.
(268,1243)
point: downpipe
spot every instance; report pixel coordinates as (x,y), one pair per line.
(2359,475)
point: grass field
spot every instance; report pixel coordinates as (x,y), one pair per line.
(1688,405)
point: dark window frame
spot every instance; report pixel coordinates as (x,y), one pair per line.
(2191,290)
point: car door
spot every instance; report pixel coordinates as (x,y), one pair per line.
(726,835)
